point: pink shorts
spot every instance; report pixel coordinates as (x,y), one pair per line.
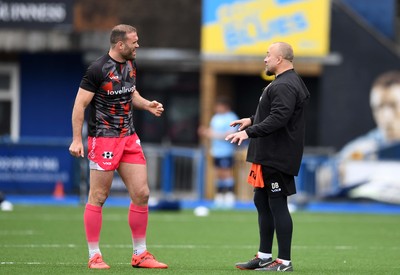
(106,153)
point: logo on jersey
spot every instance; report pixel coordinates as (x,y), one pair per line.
(112,76)
(124,90)
(275,187)
(108,155)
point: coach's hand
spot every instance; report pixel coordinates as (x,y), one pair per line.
(237,137)
(243,123)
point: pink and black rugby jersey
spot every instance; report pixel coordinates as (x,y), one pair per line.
(113,83)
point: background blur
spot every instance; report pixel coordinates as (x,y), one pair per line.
(190,52)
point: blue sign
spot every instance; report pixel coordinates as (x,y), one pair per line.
(35,169)
(34,14)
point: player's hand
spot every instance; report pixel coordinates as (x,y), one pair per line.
(204,131)
(156,108)
(76,149)
(243,123)
(237,137)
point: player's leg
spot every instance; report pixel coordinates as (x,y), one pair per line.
(227,180)
(224,182)
(100,184)
(219,188)
(103,160)
(135,178)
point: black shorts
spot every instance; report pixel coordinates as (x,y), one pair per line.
(225,162)
(277,183)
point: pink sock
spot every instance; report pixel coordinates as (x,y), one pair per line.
(92,219)
(138,218)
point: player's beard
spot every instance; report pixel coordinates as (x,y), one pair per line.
(128,55)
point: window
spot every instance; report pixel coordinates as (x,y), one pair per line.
(179,93)
(9,100)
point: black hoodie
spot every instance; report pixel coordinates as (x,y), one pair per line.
(278,127)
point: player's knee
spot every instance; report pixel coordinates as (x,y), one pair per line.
(99,197)
(142,195)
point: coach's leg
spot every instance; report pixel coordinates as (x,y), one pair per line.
(135,178)
(265,221)
(283,226)
(100,184)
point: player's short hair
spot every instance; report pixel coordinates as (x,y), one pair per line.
(387,79)
(119,32)
(224,100)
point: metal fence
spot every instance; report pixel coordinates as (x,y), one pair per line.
(173,172)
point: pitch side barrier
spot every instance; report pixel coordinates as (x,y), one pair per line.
(41,165)
(173,172)
(36,166)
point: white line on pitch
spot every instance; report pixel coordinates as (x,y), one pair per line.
(17,232)
(51,263)
(196,246)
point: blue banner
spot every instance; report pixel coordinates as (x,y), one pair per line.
(35,169)
(36,14)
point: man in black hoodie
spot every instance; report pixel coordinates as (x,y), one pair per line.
(276,133)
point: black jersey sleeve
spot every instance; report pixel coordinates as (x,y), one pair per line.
(92,79)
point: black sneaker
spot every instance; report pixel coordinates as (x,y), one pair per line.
(276,266)
(254,263)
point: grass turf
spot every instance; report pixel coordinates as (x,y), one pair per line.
(50,240)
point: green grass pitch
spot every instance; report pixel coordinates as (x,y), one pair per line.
(50,240)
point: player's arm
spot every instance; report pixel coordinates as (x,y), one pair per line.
(82,100)
(209,133)
(154,107)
